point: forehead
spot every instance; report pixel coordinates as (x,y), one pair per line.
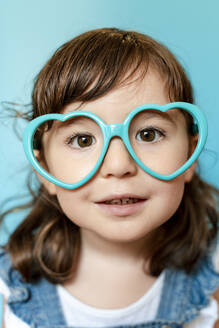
(118,103)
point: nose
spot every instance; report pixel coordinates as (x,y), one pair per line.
(117,161)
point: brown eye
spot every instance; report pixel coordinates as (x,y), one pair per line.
(84,141)
(81,141)
(149,135)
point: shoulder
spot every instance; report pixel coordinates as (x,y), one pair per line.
(207,317)
(189,295)
(204,282)
(206,273)
(32,302)
(11,277)
(9,319)
(4,290)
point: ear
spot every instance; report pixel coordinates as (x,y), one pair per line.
(50,187)
(191,170)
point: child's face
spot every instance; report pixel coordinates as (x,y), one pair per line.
(119,174)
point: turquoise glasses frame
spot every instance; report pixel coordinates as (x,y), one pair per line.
(116,130)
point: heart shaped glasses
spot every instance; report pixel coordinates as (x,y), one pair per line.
(152,137)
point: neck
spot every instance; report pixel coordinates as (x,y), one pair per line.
(105,267)
(95,249)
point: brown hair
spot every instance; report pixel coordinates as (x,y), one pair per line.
(87,67)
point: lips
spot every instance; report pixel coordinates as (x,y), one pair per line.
(121,199)
(121,205)
(120,210)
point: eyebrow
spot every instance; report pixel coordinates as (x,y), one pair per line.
(68,122)
(61,126)
(150,113)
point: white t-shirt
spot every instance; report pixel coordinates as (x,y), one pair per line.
(78,314)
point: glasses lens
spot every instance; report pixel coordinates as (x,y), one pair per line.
(71,149)
(163,142)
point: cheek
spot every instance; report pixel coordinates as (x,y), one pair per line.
(67,164)
(167,197)
(168,157)
(177,155)
(72,203)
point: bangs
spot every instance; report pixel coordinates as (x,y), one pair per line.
(101,63)
(94,63)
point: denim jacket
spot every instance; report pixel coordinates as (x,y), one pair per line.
(183,296)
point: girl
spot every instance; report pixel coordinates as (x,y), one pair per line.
(122,231)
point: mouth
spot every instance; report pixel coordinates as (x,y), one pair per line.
(122,206)
(122,201)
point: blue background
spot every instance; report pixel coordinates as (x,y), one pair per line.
(32,30)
